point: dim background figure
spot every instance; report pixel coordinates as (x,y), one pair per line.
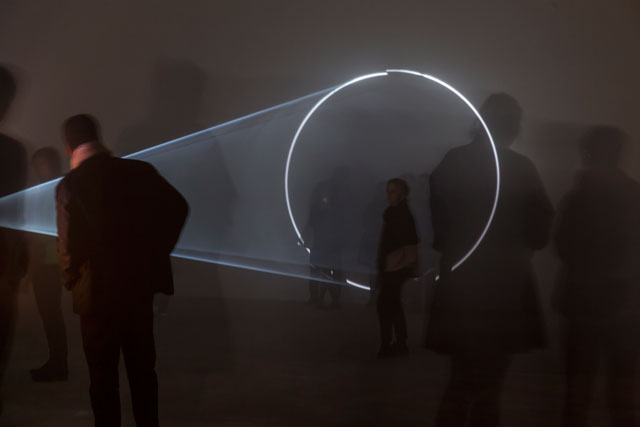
(13,248)
(325,227)
(397,262)
(44,276)
(118,221)
(598,289)
(488,309)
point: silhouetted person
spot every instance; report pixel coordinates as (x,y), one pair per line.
(326,237)
(598,240)
(45,278)
(118,221)
(487,309)
(367,251)
(397,262)
(13,249)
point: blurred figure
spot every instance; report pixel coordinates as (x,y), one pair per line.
(178,98)
(367,251)
(118,221)
(325,228)
(397,262)
(488,308)
(44,275)
(13,248)
(598,241)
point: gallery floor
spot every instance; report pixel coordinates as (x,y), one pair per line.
(264,362)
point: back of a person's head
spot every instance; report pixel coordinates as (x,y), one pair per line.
(401,185)
(80,129)
(602,147)
(8,87)
(503,115)
(50,156)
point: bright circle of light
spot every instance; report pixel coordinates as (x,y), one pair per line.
(384,74)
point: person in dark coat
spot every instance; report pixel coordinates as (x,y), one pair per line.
(13,248)
(397,262)
(118,221)
(44,276)
(598,241)
(487,309)
(325,231)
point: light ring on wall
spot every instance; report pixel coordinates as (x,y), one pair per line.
(384,74)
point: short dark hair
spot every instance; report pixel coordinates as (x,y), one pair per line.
(401,184)
(502,114)
(49,155)
(79,129)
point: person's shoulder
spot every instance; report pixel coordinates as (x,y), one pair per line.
(12,146)
(133,165)
(455,160)
(517,161)
(6,139)
(514,156)
(462,151)
(462,154)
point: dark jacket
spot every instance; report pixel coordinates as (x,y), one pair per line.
(398,231)
(598,241)
(13,178)
(118,221)
(490,303)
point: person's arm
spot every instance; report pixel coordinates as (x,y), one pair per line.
(71,243)
(174,207)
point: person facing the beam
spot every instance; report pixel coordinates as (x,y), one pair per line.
(397,263)
(118,221)
(488,309)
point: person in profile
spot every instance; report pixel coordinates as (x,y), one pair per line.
(118,221)
(13,247)
(44,276)
(488,308)
(598,241)
(397,262)
(325,228)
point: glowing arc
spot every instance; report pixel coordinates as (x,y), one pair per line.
(383,74)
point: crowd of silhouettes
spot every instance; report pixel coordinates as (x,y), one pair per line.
(484,310)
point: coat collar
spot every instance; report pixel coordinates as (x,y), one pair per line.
(85,151)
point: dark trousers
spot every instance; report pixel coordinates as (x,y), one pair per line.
(390,311)
(318,289)
(592,345)
(472,397)
(48,292)
(103,337)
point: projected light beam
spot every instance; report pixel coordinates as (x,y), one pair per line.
(231,175)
